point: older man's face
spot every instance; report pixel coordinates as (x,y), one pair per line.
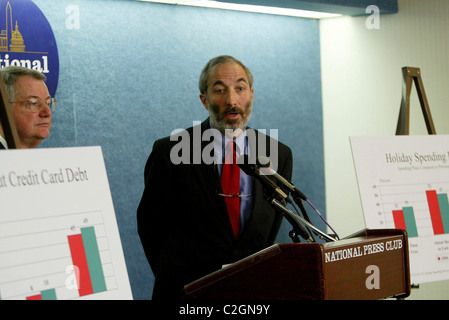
(229,97)
(32,127)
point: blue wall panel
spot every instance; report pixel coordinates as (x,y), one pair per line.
(129,75)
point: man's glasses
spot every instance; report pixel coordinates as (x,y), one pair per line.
(35,104)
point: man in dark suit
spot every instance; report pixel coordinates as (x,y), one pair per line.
(183,220)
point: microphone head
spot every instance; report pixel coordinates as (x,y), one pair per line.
(244,164)
(263,162)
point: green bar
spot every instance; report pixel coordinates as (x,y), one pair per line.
(410,223)
(49,294)
(93,259)
(444,209)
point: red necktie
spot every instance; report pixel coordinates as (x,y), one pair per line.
(230,182)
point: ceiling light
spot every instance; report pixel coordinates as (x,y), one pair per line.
(249,8)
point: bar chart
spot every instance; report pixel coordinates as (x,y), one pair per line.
(405,219)
(439,211)
(66,259)
(86,256)
(44,295)
(421,208)
(59,236)
(404,184)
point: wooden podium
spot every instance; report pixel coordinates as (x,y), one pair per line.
(371,264)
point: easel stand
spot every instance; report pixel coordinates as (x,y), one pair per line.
(409,75)
(6,119)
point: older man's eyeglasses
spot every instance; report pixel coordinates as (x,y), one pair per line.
(35,104)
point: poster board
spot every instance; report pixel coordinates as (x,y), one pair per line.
(404,183)
(59,237)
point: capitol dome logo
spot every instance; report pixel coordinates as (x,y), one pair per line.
(27,40)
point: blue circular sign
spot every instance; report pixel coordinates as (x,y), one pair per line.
(26,39)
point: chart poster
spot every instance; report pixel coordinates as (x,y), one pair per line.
(404,184)
(59,238)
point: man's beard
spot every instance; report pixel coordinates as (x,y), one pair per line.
(225,125)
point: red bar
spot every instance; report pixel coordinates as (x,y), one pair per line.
(435,214)
(79,260)
(399,221)
(36,297)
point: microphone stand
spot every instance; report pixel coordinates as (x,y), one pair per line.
(299,203)
(298,219)
(295,220)
(298,229)
(263,165)
(298,196)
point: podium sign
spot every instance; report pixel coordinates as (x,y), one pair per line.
(367,266)
(372,264)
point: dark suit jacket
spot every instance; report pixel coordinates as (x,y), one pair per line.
(2,147)
(183,223)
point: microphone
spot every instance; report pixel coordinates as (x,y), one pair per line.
(254,170)
(265,165)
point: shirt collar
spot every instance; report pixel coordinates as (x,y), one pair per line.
(219,144)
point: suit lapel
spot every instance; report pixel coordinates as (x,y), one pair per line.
(207,174)
(258,224)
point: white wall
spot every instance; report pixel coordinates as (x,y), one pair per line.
(362,90)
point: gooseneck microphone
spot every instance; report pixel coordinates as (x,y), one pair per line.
(254,170)
(266,169)
(278,197)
